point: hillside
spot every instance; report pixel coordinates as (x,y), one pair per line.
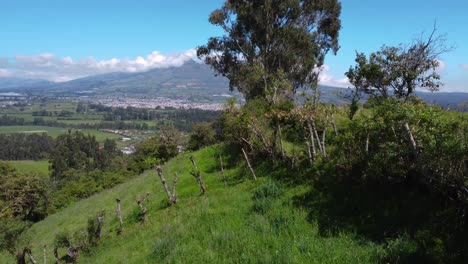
(192,81)
(223,226)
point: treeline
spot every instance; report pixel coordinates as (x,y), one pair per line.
(79,166)
(21,146)
(43,112)
(182,119)
(6,120)
(119,118)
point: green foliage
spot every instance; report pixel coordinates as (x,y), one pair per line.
(399,70)
(212,228)
(202,135)
(268,190)
(10,231)
(392,187)
(23,197)
(82,185)
(94,229)
(270,48)
(152,152)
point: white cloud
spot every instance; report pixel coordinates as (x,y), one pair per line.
(441,68)
(464,66)
(50,67)
(5,73)
(325,78)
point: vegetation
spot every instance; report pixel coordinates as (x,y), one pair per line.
(271,48)
(55,118)
(220,226)
(41,167)
(287,182)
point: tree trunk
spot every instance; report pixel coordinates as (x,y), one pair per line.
(334,124)
(248,164)
(100,219)
(222,171)
(164,183)
(57,261)
(174,188)
(119,214)
(281,141)
(44,253)
(367,143)
(31,258)
(198,176)
(72,254)
(267,147)
(309,153)
(142,212)
(317,137)
(20,257)
(312,140)
(413,143)
(324,149)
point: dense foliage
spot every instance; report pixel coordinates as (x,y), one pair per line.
(21,146)
(157,150)
(270,48)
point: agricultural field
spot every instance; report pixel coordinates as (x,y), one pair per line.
(40,167)
(56,131)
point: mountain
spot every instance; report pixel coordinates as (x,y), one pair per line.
(20,83)
(191,81)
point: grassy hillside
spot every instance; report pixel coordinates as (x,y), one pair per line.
(226,225)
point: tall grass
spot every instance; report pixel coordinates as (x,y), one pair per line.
(222,226)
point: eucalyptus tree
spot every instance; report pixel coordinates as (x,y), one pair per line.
(271,47)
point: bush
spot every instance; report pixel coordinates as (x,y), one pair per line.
(267,190)
(202,135)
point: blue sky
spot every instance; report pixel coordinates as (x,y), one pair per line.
(61,40)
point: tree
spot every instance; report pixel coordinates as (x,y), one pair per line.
(400,70)
(202,135)
(24,197)
(272,47)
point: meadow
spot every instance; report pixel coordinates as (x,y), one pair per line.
(40,167)
(230,224)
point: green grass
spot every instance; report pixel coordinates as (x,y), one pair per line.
(56,131)
(41,167)
(218,227)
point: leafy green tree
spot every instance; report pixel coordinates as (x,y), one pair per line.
(271,47)
(399,70)
(24,197)
(202,135)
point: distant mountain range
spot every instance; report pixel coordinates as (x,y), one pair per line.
(19,83)
(192,81)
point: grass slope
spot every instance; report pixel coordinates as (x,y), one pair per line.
(223,226)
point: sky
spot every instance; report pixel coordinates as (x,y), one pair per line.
(62,40)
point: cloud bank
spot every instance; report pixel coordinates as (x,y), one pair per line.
(59,69)
(50,67)
(326,78)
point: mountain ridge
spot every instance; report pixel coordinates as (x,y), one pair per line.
(191,81)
